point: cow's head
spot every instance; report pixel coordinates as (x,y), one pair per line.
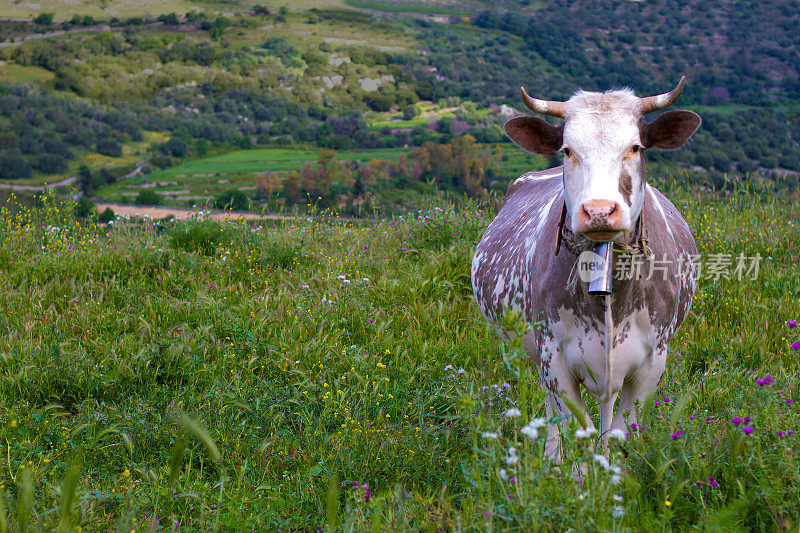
(603,139)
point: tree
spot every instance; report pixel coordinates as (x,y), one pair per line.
(267,183)
(44,19)
(13,166)
(108,147)
(233,199)
(148,197)
(177,147)
(409,112)
(51,163)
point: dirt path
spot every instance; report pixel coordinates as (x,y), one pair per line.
(181,213)
(61,183)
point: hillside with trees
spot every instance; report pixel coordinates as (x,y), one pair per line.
(98,102)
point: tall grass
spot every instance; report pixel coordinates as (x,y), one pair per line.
(201,375)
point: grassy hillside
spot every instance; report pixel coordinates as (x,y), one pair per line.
(201,375)
(207,78)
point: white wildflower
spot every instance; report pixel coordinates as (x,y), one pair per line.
(365,280)
(461,370)
(585,433)
(489,435)
(502,474)
(602,461)
(530,432)
(512,458)
(448,367)
(617,498)
(341,276)
(537,423)
(513,412)
(617,511)
(616,480)
(617,434)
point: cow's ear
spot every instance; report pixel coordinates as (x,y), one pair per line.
(535,135)
(670,130)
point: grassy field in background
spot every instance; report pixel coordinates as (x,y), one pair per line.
(269,159)
(200,375)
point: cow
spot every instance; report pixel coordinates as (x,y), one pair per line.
(614,345)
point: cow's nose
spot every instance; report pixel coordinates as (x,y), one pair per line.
(600,214)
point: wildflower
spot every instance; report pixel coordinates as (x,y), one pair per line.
(678,434)
(616,479)
(126,473)
(617,434)
(765,380)
(460,371)
(367,494)
(512,458)
(448,367)
(667,502)
(747,430)
(712,482)
(634,426)
(585,433)
(781,433)
(736,420)
(502,473)
(698,483)
(513,412)
(355,484)
(602,461)
(489,435)
(365,280)
(667,400)
(617,511)
(747,420)
(617,498)
(791,323)
(796,345)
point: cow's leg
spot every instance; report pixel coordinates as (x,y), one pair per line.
(566,386)
(606,415)
(638,387)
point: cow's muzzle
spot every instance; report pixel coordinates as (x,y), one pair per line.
(600,220)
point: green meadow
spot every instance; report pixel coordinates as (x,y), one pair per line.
(269,159)
(201,376)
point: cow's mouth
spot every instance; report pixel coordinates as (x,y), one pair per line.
(602,235)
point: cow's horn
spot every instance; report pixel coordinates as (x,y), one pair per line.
(545,107)
(662,101)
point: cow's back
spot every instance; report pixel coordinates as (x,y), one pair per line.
(527,221)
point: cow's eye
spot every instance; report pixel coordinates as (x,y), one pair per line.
(566,151)
(635,149)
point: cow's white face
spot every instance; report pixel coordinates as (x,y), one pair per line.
(604,172)
(603,139)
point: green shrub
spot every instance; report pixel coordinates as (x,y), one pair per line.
(148,197)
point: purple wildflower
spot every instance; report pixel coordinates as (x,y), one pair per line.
(747,420)
(736,420)
(791,323)
(781,433)
(795,344)
(667,400)
(747,430)
(789,431)
(355,484)
(367,495)
(698,483)
(634,426)
(678,434)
